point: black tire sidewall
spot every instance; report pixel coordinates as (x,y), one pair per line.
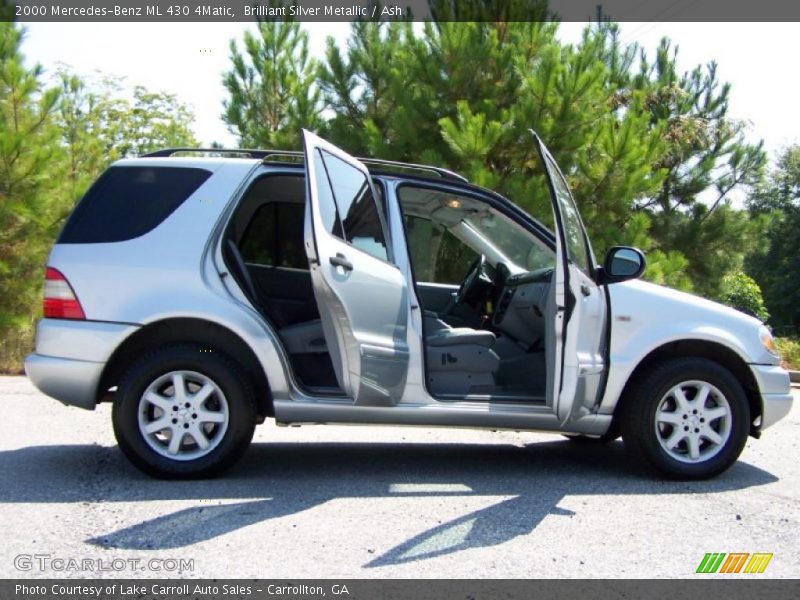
(639,417)
(214,365)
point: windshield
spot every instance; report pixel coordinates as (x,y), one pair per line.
(472,224)
(517,245)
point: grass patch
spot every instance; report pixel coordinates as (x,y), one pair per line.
(14,345)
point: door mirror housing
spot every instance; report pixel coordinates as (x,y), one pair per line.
(621,264)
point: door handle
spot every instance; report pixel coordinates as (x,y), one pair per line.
(340,261)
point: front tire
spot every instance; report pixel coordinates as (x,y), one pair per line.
(184,412)
(688,418)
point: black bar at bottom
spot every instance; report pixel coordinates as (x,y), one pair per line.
(731,588)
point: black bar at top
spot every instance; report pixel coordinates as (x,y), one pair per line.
(144,11)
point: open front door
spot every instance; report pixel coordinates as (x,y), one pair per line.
(576,356)
(362,296)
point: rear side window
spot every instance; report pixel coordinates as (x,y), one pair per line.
(274,236)
(127,202)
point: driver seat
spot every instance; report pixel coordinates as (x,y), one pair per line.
(459,360)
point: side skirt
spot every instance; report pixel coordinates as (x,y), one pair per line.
(496,416)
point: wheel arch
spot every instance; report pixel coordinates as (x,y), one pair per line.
(694,348)
(187,330)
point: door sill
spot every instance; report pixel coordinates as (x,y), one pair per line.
(493,399)
(322,391)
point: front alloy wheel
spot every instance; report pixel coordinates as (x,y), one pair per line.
(693,421)
(688,418)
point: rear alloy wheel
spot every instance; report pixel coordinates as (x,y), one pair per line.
(183,415)
(184,412)
(689,419)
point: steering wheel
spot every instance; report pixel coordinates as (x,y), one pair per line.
(474,275)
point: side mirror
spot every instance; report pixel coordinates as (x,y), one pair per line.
(622,263)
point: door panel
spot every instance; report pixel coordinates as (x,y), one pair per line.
(577,306)
(362,297)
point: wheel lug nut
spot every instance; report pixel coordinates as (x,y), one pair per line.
(194,415)
(174,421)
(702,420)
(175,407)
(697,431)
(188,405)
(186,426)
(686,428)
(694,411)
(685,416)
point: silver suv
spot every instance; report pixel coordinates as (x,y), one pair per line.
(203,293)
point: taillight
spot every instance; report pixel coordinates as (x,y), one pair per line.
(60,301)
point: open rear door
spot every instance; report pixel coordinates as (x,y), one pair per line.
(576,355)
(362,296)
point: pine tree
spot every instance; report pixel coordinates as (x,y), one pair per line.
(776,266)
(28,146)
(272,87)
(707,153)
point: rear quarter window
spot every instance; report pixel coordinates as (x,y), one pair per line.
(127,202)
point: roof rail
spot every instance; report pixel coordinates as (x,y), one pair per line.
(401,166)
(244,153)
(276,155)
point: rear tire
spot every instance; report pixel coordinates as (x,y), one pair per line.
(687,418)
(184,412)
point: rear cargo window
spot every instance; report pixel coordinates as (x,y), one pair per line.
(126,202)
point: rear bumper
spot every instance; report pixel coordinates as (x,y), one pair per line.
(776,396)
(70,357)
(72,382)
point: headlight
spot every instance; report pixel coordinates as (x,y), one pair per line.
(768,341)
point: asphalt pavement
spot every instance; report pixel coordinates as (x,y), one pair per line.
(340,502)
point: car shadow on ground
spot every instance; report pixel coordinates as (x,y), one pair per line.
(279,479)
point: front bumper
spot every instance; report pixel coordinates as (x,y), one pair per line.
(70,357)
(776,395)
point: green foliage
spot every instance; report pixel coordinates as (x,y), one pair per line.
(707,153)
(741,292)
(271,87)
(99,123)
(151,120)
(789,349)
(28,146)
(776,266)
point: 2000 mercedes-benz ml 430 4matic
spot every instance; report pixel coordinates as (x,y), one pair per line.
(201,293)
